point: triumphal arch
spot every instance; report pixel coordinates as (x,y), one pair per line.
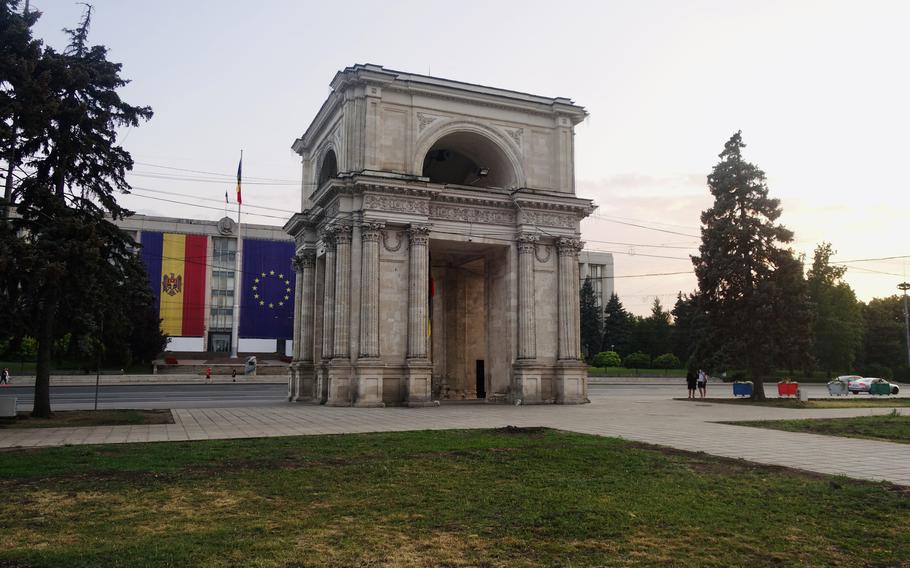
(437,247)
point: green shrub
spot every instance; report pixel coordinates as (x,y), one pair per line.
(607,359)
(667,361)
(637,360)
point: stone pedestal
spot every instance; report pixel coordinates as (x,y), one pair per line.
(418,383)
(306,382)
(321,388)
(571,382)
(369,373)
(340,387)
(527,382)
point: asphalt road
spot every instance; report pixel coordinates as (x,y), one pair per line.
(238,395)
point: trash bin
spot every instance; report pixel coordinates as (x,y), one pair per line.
(880,389)
(837,388)
(250,368)
(742,389)
(787,389)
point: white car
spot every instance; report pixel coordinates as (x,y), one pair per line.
(857,385)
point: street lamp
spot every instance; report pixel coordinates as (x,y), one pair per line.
(906,286)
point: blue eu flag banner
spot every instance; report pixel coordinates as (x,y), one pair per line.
(267,290)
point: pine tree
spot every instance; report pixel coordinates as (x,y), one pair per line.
(689,326)
(76,171)
(753,291)
(591,321)
(838,321)
(617,327)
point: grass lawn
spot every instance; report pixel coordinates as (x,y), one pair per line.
(859,401)
(890,427)
(449,498)
(72,418)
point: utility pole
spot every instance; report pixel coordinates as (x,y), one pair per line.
(906,286)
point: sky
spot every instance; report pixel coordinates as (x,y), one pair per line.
(820,91)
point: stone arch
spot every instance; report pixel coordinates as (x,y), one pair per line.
(328,166)
(472,142)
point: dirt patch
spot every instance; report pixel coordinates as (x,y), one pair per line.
(533,431)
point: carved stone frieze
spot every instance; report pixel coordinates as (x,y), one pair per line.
(515,134)
(548,219)
(395,204)
(472,214)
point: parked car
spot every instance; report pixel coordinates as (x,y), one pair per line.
(864,384)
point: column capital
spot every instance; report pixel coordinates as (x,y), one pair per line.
(327,234)
(371,231)
(306,259)
(526,242)
(566,246)
(343,233)
(419,234)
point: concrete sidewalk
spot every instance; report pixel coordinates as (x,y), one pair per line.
(679,424)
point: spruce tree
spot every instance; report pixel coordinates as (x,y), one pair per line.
(617,326)
(752,288)
(591,321)
(75,173)
(838,321)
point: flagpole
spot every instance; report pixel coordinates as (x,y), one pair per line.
(238,265)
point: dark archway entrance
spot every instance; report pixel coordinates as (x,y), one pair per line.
(468,158)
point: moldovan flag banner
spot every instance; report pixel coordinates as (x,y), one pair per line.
(267,294)
(176,270)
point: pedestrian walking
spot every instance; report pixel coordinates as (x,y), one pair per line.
(4,377)
(208,374)
(691,379)
(702,383)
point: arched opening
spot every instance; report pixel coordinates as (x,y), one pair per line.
(329,168)
(468,158)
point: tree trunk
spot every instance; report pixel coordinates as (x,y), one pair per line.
(42,406)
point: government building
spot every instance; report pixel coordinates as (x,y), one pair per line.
(436,254)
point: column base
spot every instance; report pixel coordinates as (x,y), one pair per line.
(321,388)
(306,382)
(418,383)
(571,382)
(369,375)
(527,382)
(340,374)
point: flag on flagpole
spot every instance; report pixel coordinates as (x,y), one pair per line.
(226,197)
(239,168)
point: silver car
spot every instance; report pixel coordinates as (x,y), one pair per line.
(864,384)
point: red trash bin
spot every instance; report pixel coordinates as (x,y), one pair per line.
(787,389)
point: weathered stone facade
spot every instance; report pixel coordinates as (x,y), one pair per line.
(437,247)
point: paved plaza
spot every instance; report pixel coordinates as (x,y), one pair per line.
(651,419)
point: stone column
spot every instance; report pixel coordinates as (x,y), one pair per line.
(339,371)
(293,377)
(305,323)
(571,374)
(369,368)
(342,332)
(328,314)
(419,369)
(569,330)
(527,321)
(418,288)
(369,290)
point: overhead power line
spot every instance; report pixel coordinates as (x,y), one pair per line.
(226,175)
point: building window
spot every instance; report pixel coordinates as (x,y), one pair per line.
(224,255)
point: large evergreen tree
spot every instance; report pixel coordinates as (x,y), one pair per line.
(591,321)
(883,351)
(689,326)
(617,327)
(654,332)
(752,287)
(838,321)
(75,258)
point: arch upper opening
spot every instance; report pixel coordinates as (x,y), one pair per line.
(468,158)
(329,168)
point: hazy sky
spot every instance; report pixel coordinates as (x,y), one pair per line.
(821,91)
